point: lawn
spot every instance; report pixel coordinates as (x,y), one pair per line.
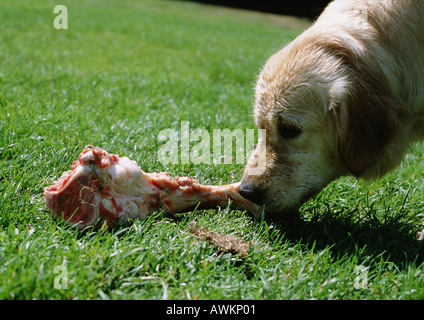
(122,72)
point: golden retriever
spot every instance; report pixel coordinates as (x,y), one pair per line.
(345,97)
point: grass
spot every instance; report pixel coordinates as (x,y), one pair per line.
(122,72)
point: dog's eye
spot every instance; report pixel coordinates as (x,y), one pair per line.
(288,131)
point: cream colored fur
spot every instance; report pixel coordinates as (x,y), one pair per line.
(354,84)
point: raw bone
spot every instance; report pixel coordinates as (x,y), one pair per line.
(113,189)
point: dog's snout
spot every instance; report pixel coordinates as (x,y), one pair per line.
(251,193)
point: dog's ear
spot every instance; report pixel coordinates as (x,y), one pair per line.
(367,120)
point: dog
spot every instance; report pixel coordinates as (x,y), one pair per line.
(346,97)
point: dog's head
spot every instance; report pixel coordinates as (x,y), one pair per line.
(324,117)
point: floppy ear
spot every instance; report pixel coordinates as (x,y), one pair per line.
(367,120)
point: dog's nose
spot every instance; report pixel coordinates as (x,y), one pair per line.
(253,194)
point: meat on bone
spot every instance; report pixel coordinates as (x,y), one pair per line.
(113,189)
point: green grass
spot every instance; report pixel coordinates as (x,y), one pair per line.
(123,71)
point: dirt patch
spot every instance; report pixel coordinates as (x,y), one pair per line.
(224,243)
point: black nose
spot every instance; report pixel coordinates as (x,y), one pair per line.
(253,194)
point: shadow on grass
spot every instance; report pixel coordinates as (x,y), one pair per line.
(394,238)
